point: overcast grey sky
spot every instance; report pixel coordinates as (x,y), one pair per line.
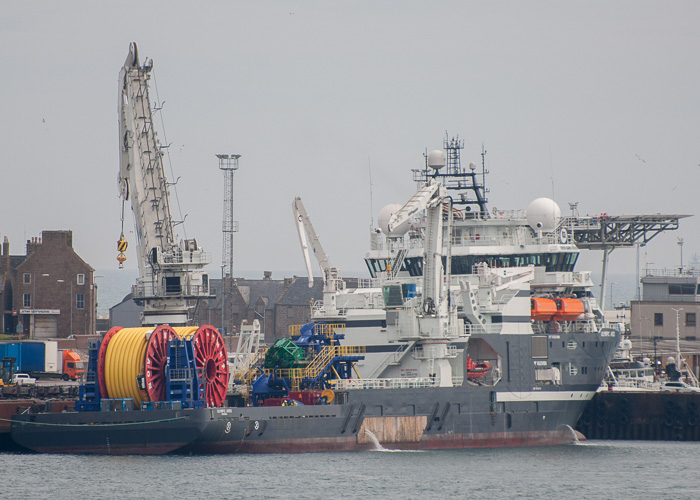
(594,102)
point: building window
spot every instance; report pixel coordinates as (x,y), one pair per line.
(690,319)
(27,300)
(658,319)
(681,289)
(27,277)
(80,301)
(81,279)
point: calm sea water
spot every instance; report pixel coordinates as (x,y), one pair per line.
(594,469)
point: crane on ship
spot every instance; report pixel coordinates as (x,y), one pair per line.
(332,280)
(435,323)
(171,272)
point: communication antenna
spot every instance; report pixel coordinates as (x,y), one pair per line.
(371,196)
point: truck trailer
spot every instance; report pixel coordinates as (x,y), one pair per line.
(43,359)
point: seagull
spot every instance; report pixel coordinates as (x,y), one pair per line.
(640,158)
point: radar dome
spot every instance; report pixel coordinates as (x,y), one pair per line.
(543,215)
(383,221)
(436,159)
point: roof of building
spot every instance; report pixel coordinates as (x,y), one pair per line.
(299,293)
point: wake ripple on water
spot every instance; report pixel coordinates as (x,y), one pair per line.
(379,447)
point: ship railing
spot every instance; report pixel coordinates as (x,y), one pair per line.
(472,328)
(145,290)
(672,273)
(480,240)
(430,352)
(325,329)
(385,383)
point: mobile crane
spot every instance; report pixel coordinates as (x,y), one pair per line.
(170,272)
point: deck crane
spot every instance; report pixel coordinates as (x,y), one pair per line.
(436,322)
(430,197)
(332,280)
(170,271)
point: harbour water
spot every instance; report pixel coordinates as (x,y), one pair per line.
(592,469)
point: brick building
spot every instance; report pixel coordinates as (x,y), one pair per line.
(49,292)
(275,303)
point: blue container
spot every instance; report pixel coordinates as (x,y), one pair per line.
(33,356)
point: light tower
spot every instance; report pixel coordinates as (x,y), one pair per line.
(228,164)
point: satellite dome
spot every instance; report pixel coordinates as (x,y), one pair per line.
(543,215)
(383,221)
(436,159)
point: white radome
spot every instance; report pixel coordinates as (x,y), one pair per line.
(436,159)
(543,214)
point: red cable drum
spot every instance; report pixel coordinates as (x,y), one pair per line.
(101,360)
(212,364)
(156,362)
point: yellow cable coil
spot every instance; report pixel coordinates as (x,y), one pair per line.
(186,332)
(124,363)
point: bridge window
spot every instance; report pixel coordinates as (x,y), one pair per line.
(690,319)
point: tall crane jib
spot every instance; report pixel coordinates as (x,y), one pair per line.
(171,276)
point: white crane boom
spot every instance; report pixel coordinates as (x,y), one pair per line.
(430,197)
(170,271)
(332,280)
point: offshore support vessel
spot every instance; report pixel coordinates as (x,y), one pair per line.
(473,330)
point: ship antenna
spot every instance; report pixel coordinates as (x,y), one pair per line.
(371,196)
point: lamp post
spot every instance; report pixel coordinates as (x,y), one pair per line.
(612,302)
(678,337)
(641,332)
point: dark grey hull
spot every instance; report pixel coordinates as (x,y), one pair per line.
(518,410)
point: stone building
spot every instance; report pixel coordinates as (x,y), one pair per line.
(49,292)
(276,304)
(669,308)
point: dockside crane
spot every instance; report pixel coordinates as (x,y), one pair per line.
(170,271)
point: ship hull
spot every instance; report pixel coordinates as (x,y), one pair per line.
(515,410)
(154,432)
(411,419)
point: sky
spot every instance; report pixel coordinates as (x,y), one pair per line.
(594,102)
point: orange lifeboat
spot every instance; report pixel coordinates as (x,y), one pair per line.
(542,309)
(568,309)
(476,370)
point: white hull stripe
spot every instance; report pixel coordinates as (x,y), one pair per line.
(507,397)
